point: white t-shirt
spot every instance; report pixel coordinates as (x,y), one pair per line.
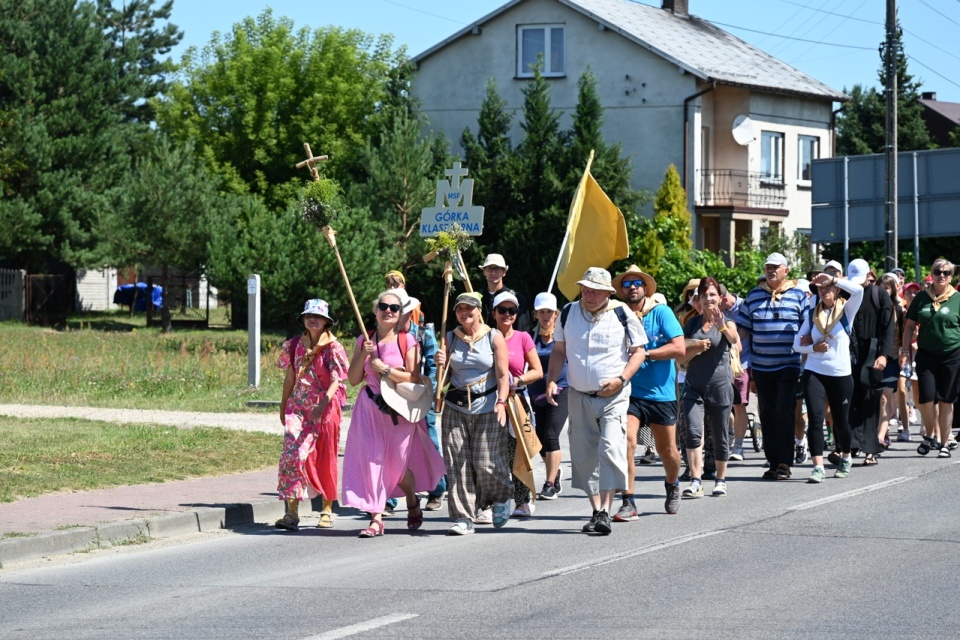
(836,360)
(597,348)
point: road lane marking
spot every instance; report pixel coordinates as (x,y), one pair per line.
(363,627)
(632,554)
(851,494)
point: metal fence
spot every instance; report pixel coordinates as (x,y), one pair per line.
(12,294)
(187,299)
(731,187)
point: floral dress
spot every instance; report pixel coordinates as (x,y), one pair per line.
(308,465)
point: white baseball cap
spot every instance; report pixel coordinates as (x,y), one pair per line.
(505,296)
(545,300)
(857,271)
(494,260)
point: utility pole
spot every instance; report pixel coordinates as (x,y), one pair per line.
(891,51)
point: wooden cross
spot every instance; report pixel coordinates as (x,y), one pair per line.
(311,162)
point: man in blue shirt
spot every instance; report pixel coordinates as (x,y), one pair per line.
(770,318)
(653,388)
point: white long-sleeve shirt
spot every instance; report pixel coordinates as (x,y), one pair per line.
(835,361)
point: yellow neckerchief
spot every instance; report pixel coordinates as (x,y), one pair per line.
(943,297)
(543,333)
(826,319)
(325,338)
(786,285)
(482,330)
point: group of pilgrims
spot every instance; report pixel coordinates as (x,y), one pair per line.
(840,361)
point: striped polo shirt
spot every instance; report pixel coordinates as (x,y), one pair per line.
(772,327)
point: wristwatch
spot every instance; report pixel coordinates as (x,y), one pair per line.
(623,381)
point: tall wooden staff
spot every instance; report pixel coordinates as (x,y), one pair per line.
(447,244)
(317,208)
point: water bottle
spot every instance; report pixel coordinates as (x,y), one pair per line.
(907,371)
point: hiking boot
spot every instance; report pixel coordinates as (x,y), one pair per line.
(591,527)
(672,503)
(626,513)
(603,523)
(843,469)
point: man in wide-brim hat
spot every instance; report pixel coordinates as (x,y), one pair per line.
(653,394)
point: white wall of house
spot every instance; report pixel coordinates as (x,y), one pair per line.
(641,92)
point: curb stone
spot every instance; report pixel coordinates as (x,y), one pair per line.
(81,539)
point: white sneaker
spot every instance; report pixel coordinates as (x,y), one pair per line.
(737,454)
(484,517)
(461,527)
(720,489)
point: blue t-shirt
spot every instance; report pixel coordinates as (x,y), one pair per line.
(543,352)
(657,379)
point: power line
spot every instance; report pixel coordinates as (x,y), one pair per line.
(934,71)
(828,33)
(766,33)
(426,13)
(834,13)
(935,10)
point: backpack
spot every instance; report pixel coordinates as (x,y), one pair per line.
(620,311)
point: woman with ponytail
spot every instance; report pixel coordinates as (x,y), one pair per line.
(310,411)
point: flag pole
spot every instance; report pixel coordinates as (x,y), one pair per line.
(566,235)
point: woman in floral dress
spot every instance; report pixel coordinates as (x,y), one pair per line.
(310,411)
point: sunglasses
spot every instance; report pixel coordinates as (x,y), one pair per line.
(383,306)
(312,316)
(632,283)
(942,272)
(507,311)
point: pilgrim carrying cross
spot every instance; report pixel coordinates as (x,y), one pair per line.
(311,162)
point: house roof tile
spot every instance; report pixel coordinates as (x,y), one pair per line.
(695,45)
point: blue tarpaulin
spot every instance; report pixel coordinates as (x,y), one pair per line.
(126,292)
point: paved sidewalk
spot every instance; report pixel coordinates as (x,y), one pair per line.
(77,521)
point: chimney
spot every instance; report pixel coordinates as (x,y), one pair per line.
(677,7)
(929,95)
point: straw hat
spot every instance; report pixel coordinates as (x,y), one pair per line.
(411,400)
(692,285)
(649,284)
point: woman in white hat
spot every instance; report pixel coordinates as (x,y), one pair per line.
(550,419)
(474,420)
(524,367)
(310,411)
(387,455)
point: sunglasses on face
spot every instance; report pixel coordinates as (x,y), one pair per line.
(507,311)
(312,316)
(383,306)
(632,283)
(942,272)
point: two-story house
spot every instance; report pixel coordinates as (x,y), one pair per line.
(741,126)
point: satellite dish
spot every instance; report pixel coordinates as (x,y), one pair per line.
(743,130)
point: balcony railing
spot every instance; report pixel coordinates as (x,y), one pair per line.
(730,187)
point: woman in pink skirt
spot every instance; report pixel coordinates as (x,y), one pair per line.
(386,455)
(310,411)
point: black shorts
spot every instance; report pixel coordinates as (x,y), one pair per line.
(653,412)
(937,375)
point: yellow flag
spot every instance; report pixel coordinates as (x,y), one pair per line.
(596,234)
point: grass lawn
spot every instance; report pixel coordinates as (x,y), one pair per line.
(111,360)
(45,456)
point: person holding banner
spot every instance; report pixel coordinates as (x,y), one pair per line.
(602,343)
(524,366)
(475,418)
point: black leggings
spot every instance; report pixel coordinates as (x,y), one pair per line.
(550,420)
(838,391)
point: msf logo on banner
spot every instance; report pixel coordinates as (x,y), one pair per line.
(454,205)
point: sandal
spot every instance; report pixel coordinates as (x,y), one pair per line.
(944,453)
(375,529)
(326,520)
(870,461)
(929,444)
(414,518)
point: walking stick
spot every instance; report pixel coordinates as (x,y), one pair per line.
(447,290)
(318,208)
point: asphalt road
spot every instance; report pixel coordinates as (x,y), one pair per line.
(874,554)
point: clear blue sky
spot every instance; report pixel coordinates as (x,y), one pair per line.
(788,29)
